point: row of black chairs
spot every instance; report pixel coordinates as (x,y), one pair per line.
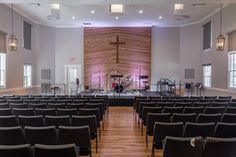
(78,135)
(179,129)
(199,147)
(39,150)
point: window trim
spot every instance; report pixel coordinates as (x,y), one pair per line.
(210,86)
(230,53)
(27,76)
(4,81)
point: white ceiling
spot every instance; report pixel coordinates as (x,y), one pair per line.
(152,9)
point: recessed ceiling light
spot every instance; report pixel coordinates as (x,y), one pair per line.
(73,17)
(160,17)
(117,17)
(116,8)
(140,11)
(92,11)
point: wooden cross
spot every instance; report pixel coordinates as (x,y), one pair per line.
(117,43)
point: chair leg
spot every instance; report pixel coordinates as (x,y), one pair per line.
(96,144)
(142,129)
(153,152)
(146,141)
(90,152)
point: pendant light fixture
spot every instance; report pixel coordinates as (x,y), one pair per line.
(220,41)
(12,40)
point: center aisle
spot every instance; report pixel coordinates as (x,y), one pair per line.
(122,136)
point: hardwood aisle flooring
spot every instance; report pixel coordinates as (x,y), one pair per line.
(122,137)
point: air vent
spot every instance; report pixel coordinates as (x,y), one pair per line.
(198,4)
(181,17)
(87,23)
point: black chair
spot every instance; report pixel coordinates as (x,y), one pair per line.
(225,130)
(219,104)
(41,135)
(231,110)
(183,104)
(37,105)
(18,105)
(145,104)
(229,118)
(166,104)
(75,105)
(68,150)
(66,112)
(172,110)
(56,105)
(184,117)
(36,121)
(44,112)
(90,112)
(96,106)
(205,104)
(199,129)
(219,147)
(4,105)
(23,111)
(197,110)
(183,147)
(80,135)
(16,150)
(90,121)
(8,121)
(5,112)
(210,97)
(233,103)
(214,110)
(208,118)
(161,130)
(225,97)
(155,117)
(57,121)
(147,110)
(12,136)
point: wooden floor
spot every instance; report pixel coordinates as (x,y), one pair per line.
(122,136)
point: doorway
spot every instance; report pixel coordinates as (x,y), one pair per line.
(72,75)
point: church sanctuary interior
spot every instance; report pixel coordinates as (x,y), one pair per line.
(118,78)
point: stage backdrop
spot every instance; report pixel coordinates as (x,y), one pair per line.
(116,50)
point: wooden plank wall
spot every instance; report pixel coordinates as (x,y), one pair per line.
(100,56)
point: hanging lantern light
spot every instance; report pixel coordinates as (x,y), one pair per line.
(220,41)
(12,40)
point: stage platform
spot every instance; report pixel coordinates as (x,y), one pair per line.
(122,99)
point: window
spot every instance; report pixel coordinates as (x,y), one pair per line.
(207,75)
(232,70)
(207,36)
(27,75)
(27,35)
(2,69)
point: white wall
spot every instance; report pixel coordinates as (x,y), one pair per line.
(165,54)
(16,60)
(69,49)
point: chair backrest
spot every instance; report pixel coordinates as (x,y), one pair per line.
(196,104)
(210,97)
(8,121)
(183,147)
(57,121)
(41,135)
(161,130)
(4,105)
(36,121)
(37,105)
(197,110)
(207,118)
(23,150)
(147,110)
(44,112)
(90,112)
(199,129)
(165,104)
(56,105)
(90,121)
(80,135)
(183,104)
(173,110)
(156,117)
(75,105)
(225,130)
(23,111)
(68,150)
(145,104)
(5,112)
(225,97)
(18,105)
(12,136)
(231,110)
(219,147)
(214,110)
(66,112)
(184,117)
(95,106)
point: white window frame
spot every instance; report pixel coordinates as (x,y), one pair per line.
(207,75)
(232,70)
(27,75)
(2,70)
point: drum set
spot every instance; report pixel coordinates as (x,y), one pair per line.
(120,85)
